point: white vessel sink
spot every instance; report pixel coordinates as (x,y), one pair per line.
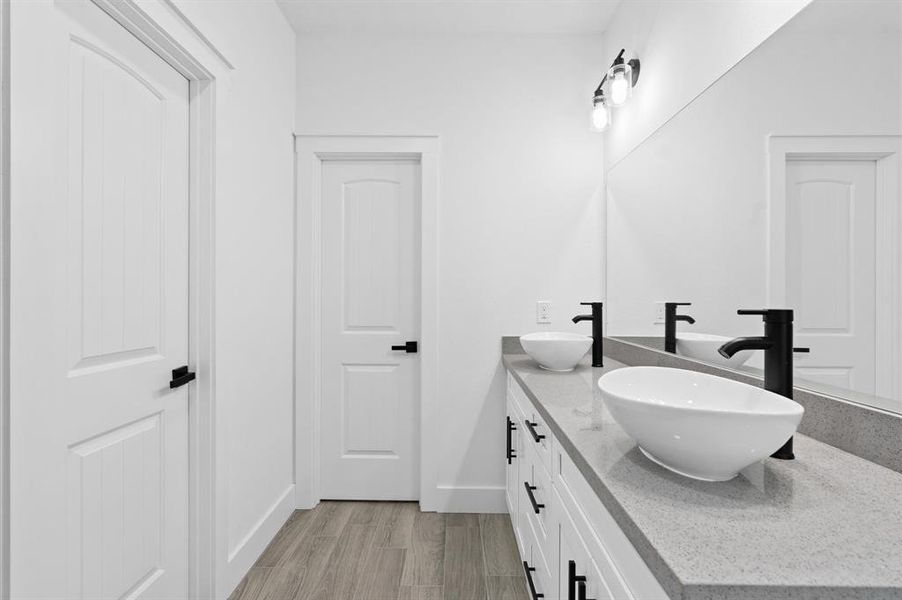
(698,425)
(555,350)
(703,346)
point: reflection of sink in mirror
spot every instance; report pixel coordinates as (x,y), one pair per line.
(698,425)
(703,346)
(556,350)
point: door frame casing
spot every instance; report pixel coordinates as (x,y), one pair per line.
(4,298)
(311,151)
(884,151)
(167,32)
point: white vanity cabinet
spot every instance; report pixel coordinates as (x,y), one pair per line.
(571,547)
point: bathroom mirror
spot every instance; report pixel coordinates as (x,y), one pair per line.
(779,186)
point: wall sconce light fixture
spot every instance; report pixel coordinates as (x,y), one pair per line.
(619,82)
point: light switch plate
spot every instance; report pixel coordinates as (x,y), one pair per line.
(543,312)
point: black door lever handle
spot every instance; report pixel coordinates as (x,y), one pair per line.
(408,347)
(180,377)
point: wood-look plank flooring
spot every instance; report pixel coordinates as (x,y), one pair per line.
(387,551)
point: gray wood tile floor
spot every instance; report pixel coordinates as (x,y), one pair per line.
(387,551)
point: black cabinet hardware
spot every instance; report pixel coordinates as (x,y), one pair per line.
(532,430)
(180,377)
(408,347)
(573,579)
(535,505)
(511,428)
(581,594)
(532,586)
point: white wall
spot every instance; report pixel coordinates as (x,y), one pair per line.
(254,295)
(684,46)
(519,211)
(695,230)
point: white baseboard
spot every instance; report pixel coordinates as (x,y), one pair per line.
(477,499)
(249,549)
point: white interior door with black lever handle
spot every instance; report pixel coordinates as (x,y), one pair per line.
(369,434)
(99,438)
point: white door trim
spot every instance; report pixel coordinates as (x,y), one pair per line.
(168,33)
(4,299)
(885,150)
(311,150)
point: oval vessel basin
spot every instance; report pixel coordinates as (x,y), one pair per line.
(556,350)
(703,346)
(698,425)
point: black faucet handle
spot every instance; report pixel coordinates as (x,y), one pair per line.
(803,350)
(678,304)
(590,303)
(749,311)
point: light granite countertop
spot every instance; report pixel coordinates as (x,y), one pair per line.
(825,526)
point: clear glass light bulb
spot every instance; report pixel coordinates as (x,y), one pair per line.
(620,89)
(600,119)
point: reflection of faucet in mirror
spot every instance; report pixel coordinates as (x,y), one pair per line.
(670,320)
(778,350)
(597,334)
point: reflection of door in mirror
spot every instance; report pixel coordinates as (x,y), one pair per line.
(831,251)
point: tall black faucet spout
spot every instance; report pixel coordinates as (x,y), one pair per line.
(778,351)
(744,343)
(597,331)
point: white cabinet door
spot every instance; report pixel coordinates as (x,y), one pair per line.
(99,441)
(513,459)
(578,576)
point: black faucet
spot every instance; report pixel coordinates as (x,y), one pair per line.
(778,351)
(597,335)
(670,320)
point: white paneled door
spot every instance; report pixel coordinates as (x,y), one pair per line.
(99,465)
(371,303)
(831,276)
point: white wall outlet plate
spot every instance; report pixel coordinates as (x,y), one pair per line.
(659,313)
(543,311)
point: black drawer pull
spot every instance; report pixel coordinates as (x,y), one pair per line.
(511,428)
(573,579)
(532,430)
(535,505)
(581,587)
(180,377)
(532,586)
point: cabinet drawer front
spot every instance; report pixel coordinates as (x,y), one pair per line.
(536,431)
(539,479)
(543,577)
(623,570)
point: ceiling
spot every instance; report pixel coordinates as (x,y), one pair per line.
(448,16)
